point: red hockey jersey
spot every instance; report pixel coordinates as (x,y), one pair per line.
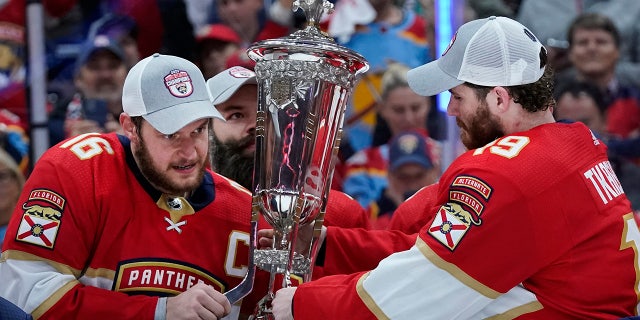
(534,225)
(96,223)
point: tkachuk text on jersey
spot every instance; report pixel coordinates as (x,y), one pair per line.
(604,181)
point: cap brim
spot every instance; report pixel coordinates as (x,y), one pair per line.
(411,159)
(429,79)
(170,120)
(220,95)
(86,55)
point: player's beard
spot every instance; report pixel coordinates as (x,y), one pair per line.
(159,179)
(482,128)
(229,159)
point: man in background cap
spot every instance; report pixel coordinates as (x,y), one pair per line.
(124,30)
(410,169)
(132,226)
(215,44)
(97,102)
(530,223)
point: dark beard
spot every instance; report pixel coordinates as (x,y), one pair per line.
(228,160)
(157,178)
(483,128)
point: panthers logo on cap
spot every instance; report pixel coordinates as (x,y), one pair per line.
(179,83)
(408,143)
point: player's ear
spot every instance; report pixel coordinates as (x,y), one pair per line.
(128,126)
(502,98)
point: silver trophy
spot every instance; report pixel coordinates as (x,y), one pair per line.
(304,83)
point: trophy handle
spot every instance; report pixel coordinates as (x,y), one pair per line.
(246,285)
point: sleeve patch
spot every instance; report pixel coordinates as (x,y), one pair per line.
(473,183)
(469,200)
(40,220)
(451,223)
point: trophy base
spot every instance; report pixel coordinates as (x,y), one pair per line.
(277,260)
(266,316)
(263,309)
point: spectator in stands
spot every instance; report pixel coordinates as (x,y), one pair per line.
(66,36)
(410,169)
(252,22)
(580,101)
(99,78)
(14,140)
(404,35)
(13,53)
(550,19)
(215,44)
(487,8)
(594,51)
(366,171)
(11,182)
(124,31)
(402,31)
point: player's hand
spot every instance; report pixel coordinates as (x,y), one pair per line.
(198,302)
(281,306)
(265,238)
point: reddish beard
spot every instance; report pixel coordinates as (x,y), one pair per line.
(482,128)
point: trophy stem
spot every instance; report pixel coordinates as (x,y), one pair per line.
(291,238)
(282,242)
(263,309)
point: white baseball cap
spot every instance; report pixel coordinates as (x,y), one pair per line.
(167,91)
(224,84)
(494,51)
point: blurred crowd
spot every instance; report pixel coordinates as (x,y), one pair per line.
(393,138)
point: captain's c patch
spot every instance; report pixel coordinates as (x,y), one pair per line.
(41,218)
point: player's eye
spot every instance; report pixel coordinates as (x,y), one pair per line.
(235,116)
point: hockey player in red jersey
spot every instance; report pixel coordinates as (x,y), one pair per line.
(132,226)
(530,223)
